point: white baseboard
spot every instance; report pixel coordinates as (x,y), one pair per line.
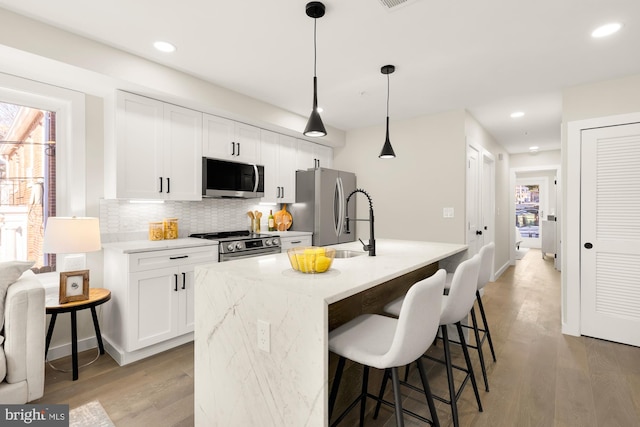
(65,349)
(125,357)
(501,270)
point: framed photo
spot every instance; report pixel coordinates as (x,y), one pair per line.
(74,286)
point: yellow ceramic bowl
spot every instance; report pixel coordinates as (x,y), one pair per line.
(311,259)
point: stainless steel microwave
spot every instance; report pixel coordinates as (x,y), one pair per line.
(224,179)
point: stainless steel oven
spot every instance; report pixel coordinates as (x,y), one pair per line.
(242,244)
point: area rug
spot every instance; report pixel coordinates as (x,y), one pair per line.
(520,253)
(90,414)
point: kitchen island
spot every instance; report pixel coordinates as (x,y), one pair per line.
(280,378)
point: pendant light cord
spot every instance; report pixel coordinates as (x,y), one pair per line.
(315,49)
(387,95)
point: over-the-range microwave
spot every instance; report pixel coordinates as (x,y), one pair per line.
(225,179)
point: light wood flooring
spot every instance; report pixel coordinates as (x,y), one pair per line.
(542,378)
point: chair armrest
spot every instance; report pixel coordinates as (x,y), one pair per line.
(24,333)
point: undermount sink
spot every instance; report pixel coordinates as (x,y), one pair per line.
(342,253)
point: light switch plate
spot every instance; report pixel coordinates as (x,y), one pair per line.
(447,212)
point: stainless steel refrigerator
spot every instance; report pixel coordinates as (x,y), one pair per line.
(321,205)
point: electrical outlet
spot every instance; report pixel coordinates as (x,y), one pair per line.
(447,212)
(264,336)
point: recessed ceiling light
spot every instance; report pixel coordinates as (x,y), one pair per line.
(534,148)
(164,46)
(606,30)
(517,114)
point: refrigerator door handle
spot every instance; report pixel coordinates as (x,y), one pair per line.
(339,221)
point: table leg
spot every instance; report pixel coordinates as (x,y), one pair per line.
(52,323)
(74,344)
(96,326)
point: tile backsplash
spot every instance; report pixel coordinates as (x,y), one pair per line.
(122,220)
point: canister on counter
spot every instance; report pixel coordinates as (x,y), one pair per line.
(156,230)
(171,228)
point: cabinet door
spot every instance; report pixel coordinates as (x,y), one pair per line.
(287,169)
(183,153)
(186,303)
(324,155)
(304,155)
(247,139)
(153,304)
(269,148)
(139,148)
(218,134)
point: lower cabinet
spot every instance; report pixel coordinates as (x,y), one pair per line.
(152,306)
(292,242)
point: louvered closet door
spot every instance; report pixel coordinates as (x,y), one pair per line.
(610,233)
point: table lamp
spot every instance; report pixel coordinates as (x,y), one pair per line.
(72,235)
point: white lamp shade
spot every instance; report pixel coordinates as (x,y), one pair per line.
(71,235)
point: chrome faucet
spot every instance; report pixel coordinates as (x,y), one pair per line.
(371,247)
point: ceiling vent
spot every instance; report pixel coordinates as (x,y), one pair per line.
(395,4)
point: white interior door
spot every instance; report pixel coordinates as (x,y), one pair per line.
(609,234)
(488,199)
(474,228)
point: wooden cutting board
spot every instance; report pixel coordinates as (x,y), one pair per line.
(283,219)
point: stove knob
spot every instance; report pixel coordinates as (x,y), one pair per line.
(276,242)
(238,245)
(230,247)
(267,242)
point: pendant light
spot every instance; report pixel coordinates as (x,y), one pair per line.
(387,150)
(315,128)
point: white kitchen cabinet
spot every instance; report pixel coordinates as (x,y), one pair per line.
(152,307)
(229,140)
(310,155)
(288,242)
(279,160)
(157,151)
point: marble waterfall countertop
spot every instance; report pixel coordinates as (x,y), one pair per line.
(135,246)
(238,383)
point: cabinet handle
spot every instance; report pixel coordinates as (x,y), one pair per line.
(160,185)
(282,192)
(179,257)
(295,242)
(278,193)
(168,185)
(184,280)
(238,148)
(176,285)
(233,148)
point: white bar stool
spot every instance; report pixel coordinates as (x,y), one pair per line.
(486,253)
(386,343)
(455,306)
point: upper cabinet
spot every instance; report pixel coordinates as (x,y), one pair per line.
(313,156)
(229,140)
(157,151)
(278,154)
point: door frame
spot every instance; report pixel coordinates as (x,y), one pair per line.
(570,233)
(512,202)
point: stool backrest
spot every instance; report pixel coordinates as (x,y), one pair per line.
(462,293)
(418,321)
(487,252)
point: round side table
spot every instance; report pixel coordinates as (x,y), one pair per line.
(97,296)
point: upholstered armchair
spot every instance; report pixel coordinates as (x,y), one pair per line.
(22,340)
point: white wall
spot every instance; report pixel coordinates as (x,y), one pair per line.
(597,104)
(410,191)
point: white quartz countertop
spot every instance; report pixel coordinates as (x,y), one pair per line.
(134,246)
(346,276)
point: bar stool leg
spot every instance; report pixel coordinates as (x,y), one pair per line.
(486,325)
(465,350)
(427,393)
(479,346)
(336,384)
(452,389)
(363,397)
(397,397)
(383,387)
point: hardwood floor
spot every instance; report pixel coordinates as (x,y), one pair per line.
(542,378)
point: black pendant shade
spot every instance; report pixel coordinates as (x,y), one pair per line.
(387,150)
(315,127)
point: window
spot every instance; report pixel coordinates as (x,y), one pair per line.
(528,209)
(27,182)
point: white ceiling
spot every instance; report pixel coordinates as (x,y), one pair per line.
(491,57)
